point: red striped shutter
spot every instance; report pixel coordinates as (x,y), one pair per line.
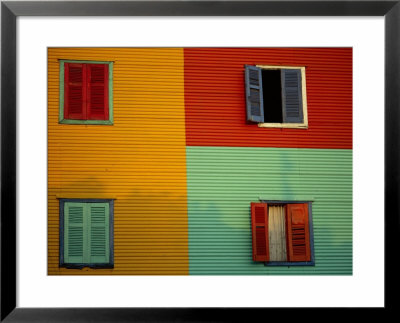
(259,225)
(97,89)
(298,233)
(74,91)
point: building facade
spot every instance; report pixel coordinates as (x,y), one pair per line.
(155,156)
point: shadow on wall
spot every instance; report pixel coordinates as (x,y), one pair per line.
(288,170)
(150,227)
(89,187)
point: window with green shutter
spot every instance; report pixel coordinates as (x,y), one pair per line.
(86,233)
(276,96)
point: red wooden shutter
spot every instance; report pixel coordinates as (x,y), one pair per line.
(298,233)
(74,91)
(259,225)
(97,99)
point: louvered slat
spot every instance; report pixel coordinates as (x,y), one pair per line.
(254,94)
(75,242)
(97,234)
(298,240)
(298,232)
(74,91)
(261,243)
(99,224)
(75,99)
(259,223)
(292,104)
(97,92)
(74,235)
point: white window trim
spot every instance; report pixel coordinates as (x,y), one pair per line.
(303,125)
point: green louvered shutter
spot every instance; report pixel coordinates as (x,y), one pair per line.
(74,235)
(292,101)
(254,94)
(98,233)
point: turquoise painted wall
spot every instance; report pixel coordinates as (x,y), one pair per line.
(222,181)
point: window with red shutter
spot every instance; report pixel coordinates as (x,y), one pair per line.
(282,233)
(86,92)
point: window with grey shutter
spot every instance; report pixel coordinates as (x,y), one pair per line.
(274,96)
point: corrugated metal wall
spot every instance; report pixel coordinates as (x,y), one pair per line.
(222,181)
(225,172)
(140,160)
(215,97)
(182,210)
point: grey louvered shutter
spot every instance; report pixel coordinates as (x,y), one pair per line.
(74,237)
(99,233)
(254,94)
(292,101)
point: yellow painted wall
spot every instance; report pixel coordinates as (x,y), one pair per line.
(139,161)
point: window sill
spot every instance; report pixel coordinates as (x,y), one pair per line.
(93,266)
(284,125)
(93,122)
(289,264)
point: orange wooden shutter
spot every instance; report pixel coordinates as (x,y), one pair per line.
(74,91)
(97,88)
(298,233)
(259,225)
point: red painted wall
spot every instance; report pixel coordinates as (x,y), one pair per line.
(215,97)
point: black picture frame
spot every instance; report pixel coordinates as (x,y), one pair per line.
(10,10)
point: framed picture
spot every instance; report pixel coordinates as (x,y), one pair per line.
(66,254)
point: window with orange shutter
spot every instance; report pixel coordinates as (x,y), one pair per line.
(282,233)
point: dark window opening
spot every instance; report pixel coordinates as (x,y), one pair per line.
(271,84)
